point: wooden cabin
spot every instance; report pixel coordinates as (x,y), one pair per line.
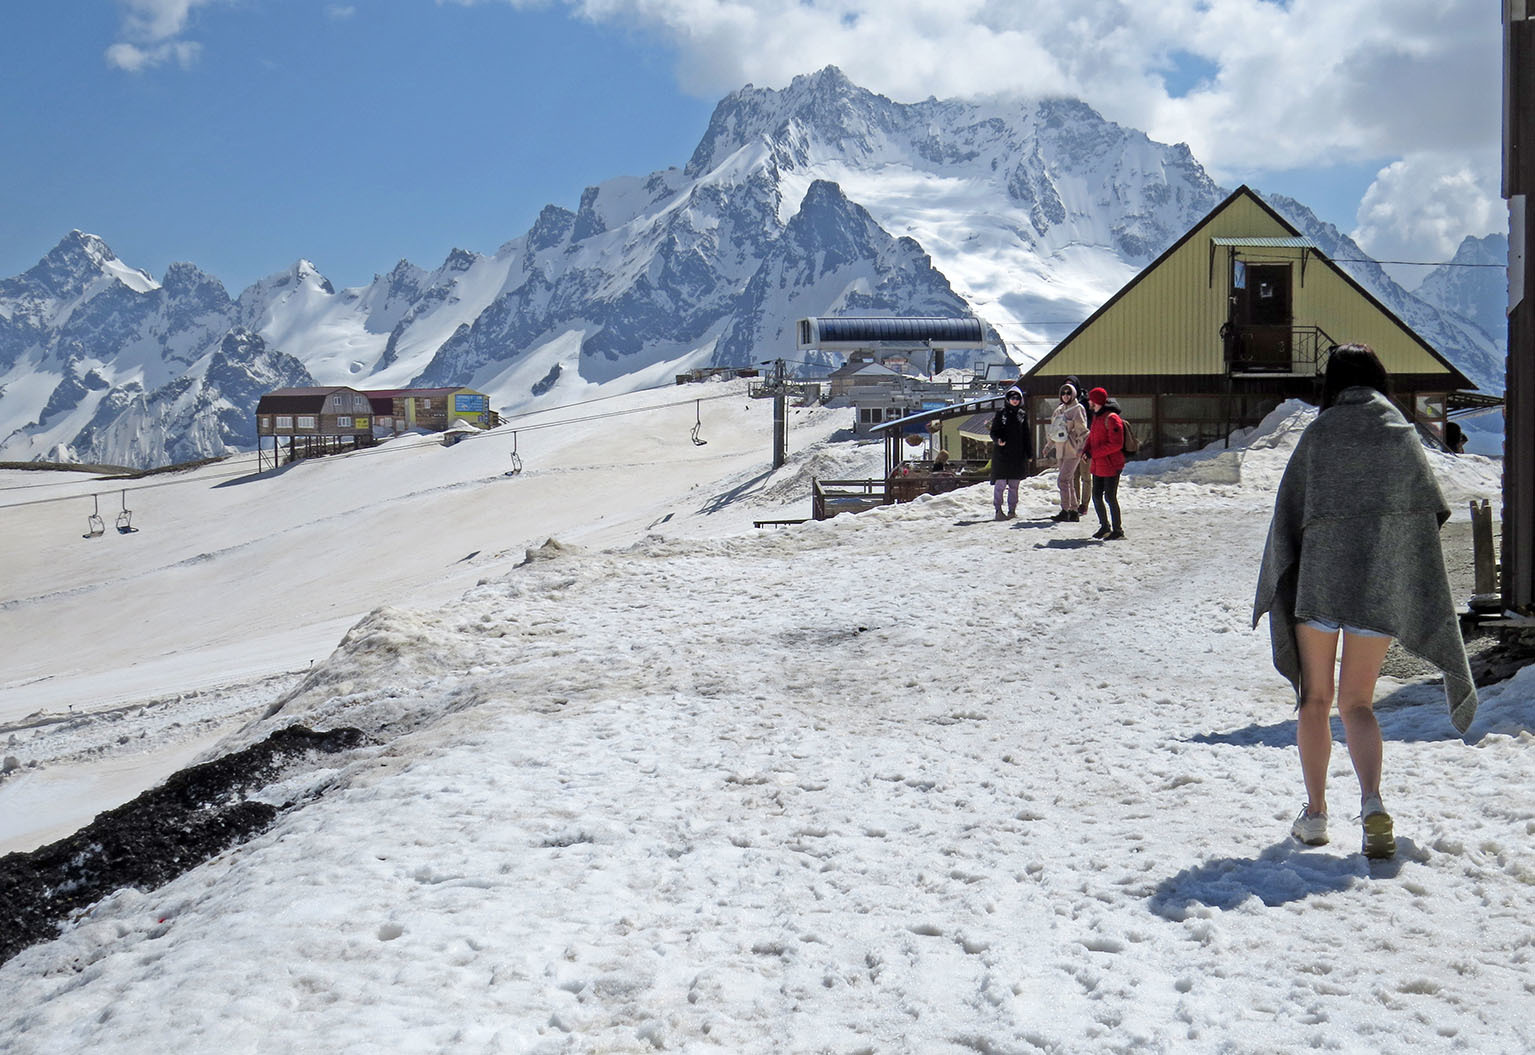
(312,421)
(1236,317)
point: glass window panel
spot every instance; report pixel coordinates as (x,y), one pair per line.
(1193,408)
(1137,408)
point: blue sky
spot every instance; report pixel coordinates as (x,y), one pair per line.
(352,141)
(242,135)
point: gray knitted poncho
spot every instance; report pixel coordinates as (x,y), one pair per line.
(1355,540)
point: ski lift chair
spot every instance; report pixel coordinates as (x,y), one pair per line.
(125,518)
(516,458)
(698,424)
(95,526)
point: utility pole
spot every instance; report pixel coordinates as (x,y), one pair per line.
(1519,394)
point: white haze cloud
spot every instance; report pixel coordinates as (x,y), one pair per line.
(151,29)
(1425,204)
(1252,86)
(1298,84)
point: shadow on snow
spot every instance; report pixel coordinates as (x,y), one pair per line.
(1285,872)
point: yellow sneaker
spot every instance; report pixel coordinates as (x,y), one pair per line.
(1379,842)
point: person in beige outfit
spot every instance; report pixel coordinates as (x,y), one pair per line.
(1068,429)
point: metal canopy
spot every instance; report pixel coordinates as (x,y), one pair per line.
(1267,243)
(953,410)
(1231,245)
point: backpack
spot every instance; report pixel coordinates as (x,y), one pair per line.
(1130,444)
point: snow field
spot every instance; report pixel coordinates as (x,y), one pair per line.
(905,781)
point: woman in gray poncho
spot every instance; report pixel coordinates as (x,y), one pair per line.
(1354,547)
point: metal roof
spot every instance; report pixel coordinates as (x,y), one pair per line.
(298,400)
(1267,243)
(912,329)
(977,427)
(970,406)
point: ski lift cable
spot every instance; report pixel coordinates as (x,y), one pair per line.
(251,456)
(375,451)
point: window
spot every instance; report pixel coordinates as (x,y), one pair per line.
(285,421)
(426,404)
(359,402)
(266,422)
(1193,408)
(306,421)
(344,422)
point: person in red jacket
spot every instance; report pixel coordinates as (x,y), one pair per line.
(1106,451)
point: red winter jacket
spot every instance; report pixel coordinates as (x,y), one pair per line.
(1106,443)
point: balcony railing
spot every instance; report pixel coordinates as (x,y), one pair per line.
(1276,350)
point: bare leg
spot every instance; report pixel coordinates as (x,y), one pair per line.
(1313,727)
(1362,657)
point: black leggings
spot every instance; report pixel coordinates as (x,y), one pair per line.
(1106,489)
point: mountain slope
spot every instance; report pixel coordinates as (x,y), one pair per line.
(821,197)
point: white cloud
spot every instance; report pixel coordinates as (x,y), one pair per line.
(340,12)
(133,58)
(1290,85)
(150,30)
(1420,208)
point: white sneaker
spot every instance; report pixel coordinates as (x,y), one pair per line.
(1310,828)
(1379,841)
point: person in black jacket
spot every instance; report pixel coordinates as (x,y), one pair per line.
(1012,447)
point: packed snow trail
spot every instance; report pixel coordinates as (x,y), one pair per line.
(904,781)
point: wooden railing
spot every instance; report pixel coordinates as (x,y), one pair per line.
(830,497)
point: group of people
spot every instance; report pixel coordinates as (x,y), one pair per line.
(1352,561)
(1089,443)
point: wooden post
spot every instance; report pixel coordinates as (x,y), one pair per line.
(1485,596)
(1518,590)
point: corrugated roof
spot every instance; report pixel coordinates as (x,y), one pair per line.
(914,329)
(1267,243)
(977,427)
(991,403)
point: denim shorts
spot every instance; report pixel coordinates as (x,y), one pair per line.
(1328,627)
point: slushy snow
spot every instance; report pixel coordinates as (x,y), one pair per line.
(642,777)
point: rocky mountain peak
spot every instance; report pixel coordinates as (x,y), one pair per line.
(68,269)
(831,108)
(187,283)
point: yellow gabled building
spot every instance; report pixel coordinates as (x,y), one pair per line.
(1237,316)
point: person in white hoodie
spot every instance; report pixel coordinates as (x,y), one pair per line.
(1068,430)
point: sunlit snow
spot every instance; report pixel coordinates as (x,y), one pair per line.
(641,776)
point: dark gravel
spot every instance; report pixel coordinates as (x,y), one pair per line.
(193,816)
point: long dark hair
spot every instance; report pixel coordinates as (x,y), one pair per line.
(1353,365)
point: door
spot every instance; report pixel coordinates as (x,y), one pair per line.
(1262,315)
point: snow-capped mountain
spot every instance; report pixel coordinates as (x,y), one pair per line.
(207,409)
(815,199)
(81,332)
(1442,320)
(1474,285)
